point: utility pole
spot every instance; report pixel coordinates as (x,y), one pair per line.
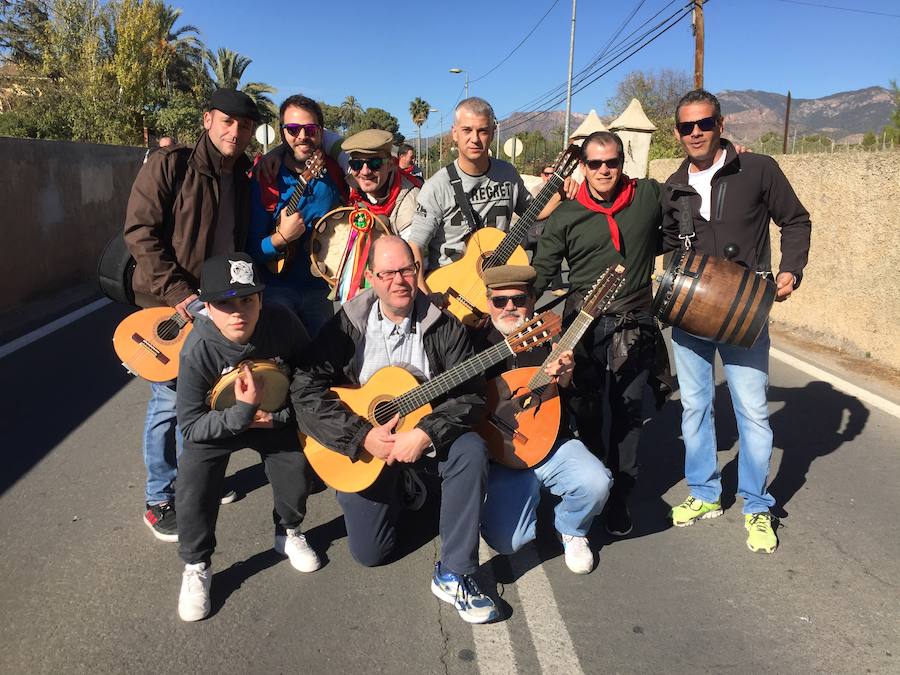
(569,86)
(787,117)
(698,44)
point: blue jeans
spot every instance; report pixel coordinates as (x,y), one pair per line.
(162,443)
(747,375)
(571,472)
(311,305)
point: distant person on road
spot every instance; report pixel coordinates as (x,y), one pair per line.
(164,142)
(186,205)
(406,158)
(390,324)
(301,123)
(239,328)
(730,199)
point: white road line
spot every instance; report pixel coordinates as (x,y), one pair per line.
(549,634)
(493,647)
(838,383)
(51,327)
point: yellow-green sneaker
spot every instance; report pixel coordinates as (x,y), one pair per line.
(762,537)
(693,509)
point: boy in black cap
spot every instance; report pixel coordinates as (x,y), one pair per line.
(238,329)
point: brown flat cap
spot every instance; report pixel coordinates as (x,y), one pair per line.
(509,275)
(369,143)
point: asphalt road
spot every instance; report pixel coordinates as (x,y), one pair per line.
(86,587)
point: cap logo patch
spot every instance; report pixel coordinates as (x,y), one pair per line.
(241,272)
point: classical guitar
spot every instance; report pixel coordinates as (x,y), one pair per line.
(392,390)
(148,342)
(315,168)
(461,282)
(523,404)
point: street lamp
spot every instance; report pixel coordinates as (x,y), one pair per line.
(441,150)
(457,71)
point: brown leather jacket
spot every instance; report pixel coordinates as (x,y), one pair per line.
(171,235)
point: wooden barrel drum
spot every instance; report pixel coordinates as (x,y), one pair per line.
(714,298)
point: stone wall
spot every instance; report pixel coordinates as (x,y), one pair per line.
(60,203)
(850,297)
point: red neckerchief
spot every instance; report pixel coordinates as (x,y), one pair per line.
(385,208)
(415,180)
(623,199)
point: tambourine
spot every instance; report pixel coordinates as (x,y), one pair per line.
(276,385)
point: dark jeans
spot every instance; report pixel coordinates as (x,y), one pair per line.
(371,516)
(608,406)
(201,474)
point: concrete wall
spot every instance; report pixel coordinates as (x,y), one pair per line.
(850,297)
(59,202)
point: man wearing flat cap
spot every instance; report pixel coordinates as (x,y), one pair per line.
(377,182)
(570,471)
(187,204)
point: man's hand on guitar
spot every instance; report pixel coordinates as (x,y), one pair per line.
(409,446)
(379,442)
(182,307)
(561,369)
(247,389)
(290,227)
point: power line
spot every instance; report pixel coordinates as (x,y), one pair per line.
(843,9)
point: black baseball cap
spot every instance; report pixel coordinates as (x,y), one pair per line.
(234,103)
(229,276)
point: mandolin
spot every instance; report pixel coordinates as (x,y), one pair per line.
(524,409)
(148,342)
(462,282)
(393,390)
(315,168)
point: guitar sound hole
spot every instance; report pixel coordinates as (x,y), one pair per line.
(482,260)
(167,330)
(384,411)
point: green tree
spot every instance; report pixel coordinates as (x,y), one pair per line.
(226,69)
(418,111)
(376,118)
(870,140)
(350,110)
(334,118)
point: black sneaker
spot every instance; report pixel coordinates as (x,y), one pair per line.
(161,519)
(618,519)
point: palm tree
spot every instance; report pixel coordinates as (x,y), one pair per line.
(226,68)
(418,110)
(185,47)
(351,109)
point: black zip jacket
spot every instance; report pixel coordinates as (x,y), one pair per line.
(332,363)
(745,193)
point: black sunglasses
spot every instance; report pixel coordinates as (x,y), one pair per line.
(594,164)
(374,163)
(294,129)
(500,301)
(706,124)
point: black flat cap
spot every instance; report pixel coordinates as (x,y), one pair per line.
(234,103)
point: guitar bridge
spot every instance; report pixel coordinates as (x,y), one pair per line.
(507,429)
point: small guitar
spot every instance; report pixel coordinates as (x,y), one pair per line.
(315,168)
(524,409)
(392,390)
(462,282)
(148,342)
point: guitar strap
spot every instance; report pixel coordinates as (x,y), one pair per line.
(462,200)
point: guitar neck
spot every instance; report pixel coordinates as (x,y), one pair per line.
(568,341)
(302,182)
(475,365)
(517,233)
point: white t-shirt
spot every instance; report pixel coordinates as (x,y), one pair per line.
(701,181)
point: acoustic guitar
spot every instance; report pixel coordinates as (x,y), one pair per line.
(524,409)
(462,281)
(315,168)
(148,342)
(393,390)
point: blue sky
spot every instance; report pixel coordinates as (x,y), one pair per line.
(387,53)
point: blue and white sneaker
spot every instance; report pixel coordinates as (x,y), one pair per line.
(461,591)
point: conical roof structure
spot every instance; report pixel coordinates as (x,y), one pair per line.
(633,119)
(590,124)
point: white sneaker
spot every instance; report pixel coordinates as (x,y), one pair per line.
(193,602)
(293,544)
(579,557)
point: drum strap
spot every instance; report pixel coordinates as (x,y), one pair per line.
(462,200)
(685,217)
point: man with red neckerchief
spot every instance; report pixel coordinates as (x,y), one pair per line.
(613,219)
(377,182)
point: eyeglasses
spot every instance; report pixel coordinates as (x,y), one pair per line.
(518,301)
(594,164)
(294,129)
(373,162)
(405,272)
(706,124)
